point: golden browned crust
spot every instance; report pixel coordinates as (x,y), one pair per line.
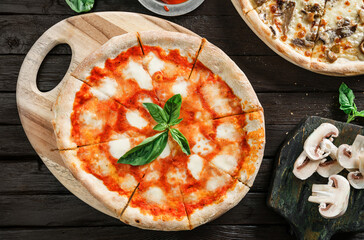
(188,45)
(62,110)
(213,211)
(220,64)
(112,200)
(341,67)
(110,49)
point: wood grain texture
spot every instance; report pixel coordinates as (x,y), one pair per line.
(289,194)
(83,34)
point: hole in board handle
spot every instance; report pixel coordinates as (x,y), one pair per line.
(54,67)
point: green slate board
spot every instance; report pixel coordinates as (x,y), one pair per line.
(289,194)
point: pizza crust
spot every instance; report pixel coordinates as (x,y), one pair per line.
(256,139)
(134,217)
(213,211)
(112,200)
(110,49)
(62,110)
(247,5)
(220,64)
(266,35)
(341,67)
(188,45)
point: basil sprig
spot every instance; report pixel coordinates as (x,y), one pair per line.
(346,100)
(152,147)
(80,5)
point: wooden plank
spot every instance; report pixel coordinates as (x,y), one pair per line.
(47,7)
(28,175)
(266,73)
(279,108)
(206,232)
(13,141)
(67,210)
(224,31)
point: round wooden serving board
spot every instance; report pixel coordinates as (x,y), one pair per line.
(84,34)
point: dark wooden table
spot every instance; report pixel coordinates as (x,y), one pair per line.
(34,205)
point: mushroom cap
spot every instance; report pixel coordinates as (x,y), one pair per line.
(304,167)
(312,143)
(361,162)
(326,168)
(346,157)
(356,180)
(333,197)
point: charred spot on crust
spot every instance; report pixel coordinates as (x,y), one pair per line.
(137,220)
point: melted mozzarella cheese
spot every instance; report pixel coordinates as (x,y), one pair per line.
(99,95)
(215,99)
(180,87)
(166,152)
(195,165)
(202,145)
(155,195)
(136,71)
(145,100)
(226,131)
(154,64)
(135,119)
(107,86)
(90,119)
(152,176)
(225,162)
(175,177)
(215,183)
(119,147)
(128,182)
(102,165)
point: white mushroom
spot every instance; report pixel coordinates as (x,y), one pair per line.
(331,166)
(312,143)
(356,180)
(333,197)
(348,156)
(304,167)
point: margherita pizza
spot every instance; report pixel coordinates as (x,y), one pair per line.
(323,36)
(100,116)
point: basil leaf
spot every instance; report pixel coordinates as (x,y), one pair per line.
(158,114)
(360,114)
(161,127)
(173,107)
(147,151)
(181,140)
(176,122)
(80,5)
(346,99)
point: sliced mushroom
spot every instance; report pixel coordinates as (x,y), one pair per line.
(333,197)
(304,167)
(361,47)
(348,156)
(330,56)
(287,16)
(356,180)
(331,166)
(361,15)
(302,43)
(312,144)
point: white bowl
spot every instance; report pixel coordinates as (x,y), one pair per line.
(157,6)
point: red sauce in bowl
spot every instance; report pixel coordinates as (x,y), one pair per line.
(174,1)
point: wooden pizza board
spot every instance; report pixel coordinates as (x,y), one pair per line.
(289,194)
(84,34)
(237,6)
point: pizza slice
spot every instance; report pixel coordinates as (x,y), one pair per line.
(340,45)
(290,26)
(233,144)
(158,203)
(116,69)
(207,191)
(96,167)
(84,115)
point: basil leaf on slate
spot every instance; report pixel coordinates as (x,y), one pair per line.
(173,107)
(80,5)
(147,151)
(158,114)
(181,140)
